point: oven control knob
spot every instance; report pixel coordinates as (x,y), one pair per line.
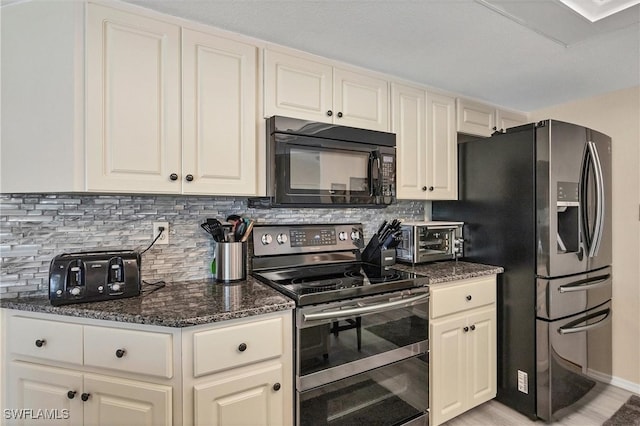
(266,239)
(282,238)
(342,236)
(355,235)
(74,291)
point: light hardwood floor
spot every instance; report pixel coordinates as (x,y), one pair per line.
(591,412)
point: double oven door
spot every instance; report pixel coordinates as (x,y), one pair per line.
(364,361)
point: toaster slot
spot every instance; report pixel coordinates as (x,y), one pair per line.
(76,277)
(116,270)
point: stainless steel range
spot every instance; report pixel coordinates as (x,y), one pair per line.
(361,335)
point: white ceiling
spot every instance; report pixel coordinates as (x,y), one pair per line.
(520,54)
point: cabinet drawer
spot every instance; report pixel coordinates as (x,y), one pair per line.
(456,297)
(55,341)
(228,347)
(134,351)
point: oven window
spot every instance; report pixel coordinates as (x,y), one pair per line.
(328,170)
(435,241)
(392,394)
(333,343)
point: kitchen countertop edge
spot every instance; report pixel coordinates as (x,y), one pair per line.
(448,271)
(209,302)
(191,303)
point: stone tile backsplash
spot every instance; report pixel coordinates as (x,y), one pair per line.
(36,227)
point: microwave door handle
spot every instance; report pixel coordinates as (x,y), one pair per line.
(374,173)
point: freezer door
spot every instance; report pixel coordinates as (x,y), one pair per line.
(573,199)
(562,297)
(569,351)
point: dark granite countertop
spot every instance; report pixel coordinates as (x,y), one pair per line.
(178,304)
(442,272)
(183,304)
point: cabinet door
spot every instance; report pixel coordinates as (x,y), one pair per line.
(115,401)
(507,119)
(475,118)
(481,356)
(409,124)
(360,100)
(133,104)
(442,148)
(249,398)
(448,363)
(219,115)
(35,387)
(297,87)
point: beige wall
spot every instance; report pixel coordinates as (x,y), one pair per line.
(618,115)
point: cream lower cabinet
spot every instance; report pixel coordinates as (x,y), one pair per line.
(462,336)
(311,90)
(88,372)
(78,374)
(241,374)
(74,398)
(426,144)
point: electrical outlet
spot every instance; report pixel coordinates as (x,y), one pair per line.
(523,382)
(164,238)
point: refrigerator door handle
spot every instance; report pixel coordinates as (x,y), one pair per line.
(599,225)
(572,327)
(583,285)
(592,161)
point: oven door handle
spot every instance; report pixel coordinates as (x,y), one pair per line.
(364,309)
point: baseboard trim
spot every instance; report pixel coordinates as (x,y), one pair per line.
(615,381)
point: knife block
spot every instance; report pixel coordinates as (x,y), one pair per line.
(374,254)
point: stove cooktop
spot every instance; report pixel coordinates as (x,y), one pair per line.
(331,282)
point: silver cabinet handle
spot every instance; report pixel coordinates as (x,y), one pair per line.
(571,328)
(364,309)
(585,284)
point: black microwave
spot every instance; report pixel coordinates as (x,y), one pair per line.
(323,164)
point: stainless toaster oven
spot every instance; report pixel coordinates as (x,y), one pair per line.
(430,241)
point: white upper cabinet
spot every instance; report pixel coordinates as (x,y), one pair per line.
(310,90)
(360,100)
(133,102)
(42,97)
(507,119)
(426,145)
(297,87)
(219,115)
(442,148)
(122,100)
(136,140)
(475,118)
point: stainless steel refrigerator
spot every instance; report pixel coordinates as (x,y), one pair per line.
(537,201)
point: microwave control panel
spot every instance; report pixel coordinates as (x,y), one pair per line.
(388,178)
